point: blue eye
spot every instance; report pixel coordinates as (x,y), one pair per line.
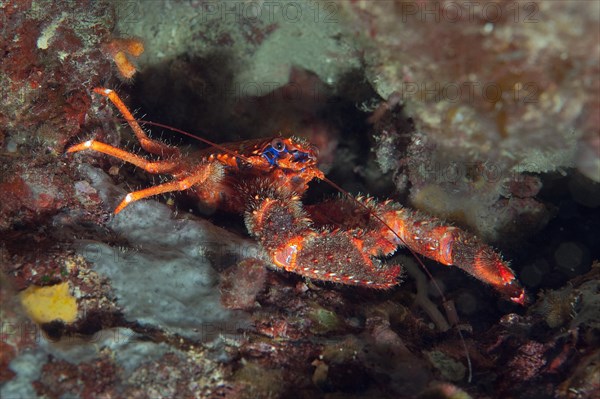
(273,150)
(277,149)
(278,145)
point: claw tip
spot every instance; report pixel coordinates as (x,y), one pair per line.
(521,299)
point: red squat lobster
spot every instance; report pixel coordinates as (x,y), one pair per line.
(338,240)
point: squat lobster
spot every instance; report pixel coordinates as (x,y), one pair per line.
(339,240)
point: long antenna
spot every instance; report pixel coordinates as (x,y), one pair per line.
(183,132)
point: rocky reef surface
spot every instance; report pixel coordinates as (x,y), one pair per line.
(485,114)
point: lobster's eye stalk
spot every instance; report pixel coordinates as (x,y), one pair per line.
(289,154)
(275,150)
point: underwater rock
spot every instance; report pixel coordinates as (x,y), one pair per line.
(496,90)
(167,276)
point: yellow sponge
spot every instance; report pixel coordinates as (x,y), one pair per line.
(45,304)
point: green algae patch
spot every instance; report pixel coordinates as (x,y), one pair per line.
(323,320)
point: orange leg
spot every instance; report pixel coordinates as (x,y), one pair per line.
(165,166)
(153,146)
(205,173)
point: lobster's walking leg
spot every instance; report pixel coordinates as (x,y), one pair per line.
(152,146)
(207,173)
(277,220)
(164,166)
